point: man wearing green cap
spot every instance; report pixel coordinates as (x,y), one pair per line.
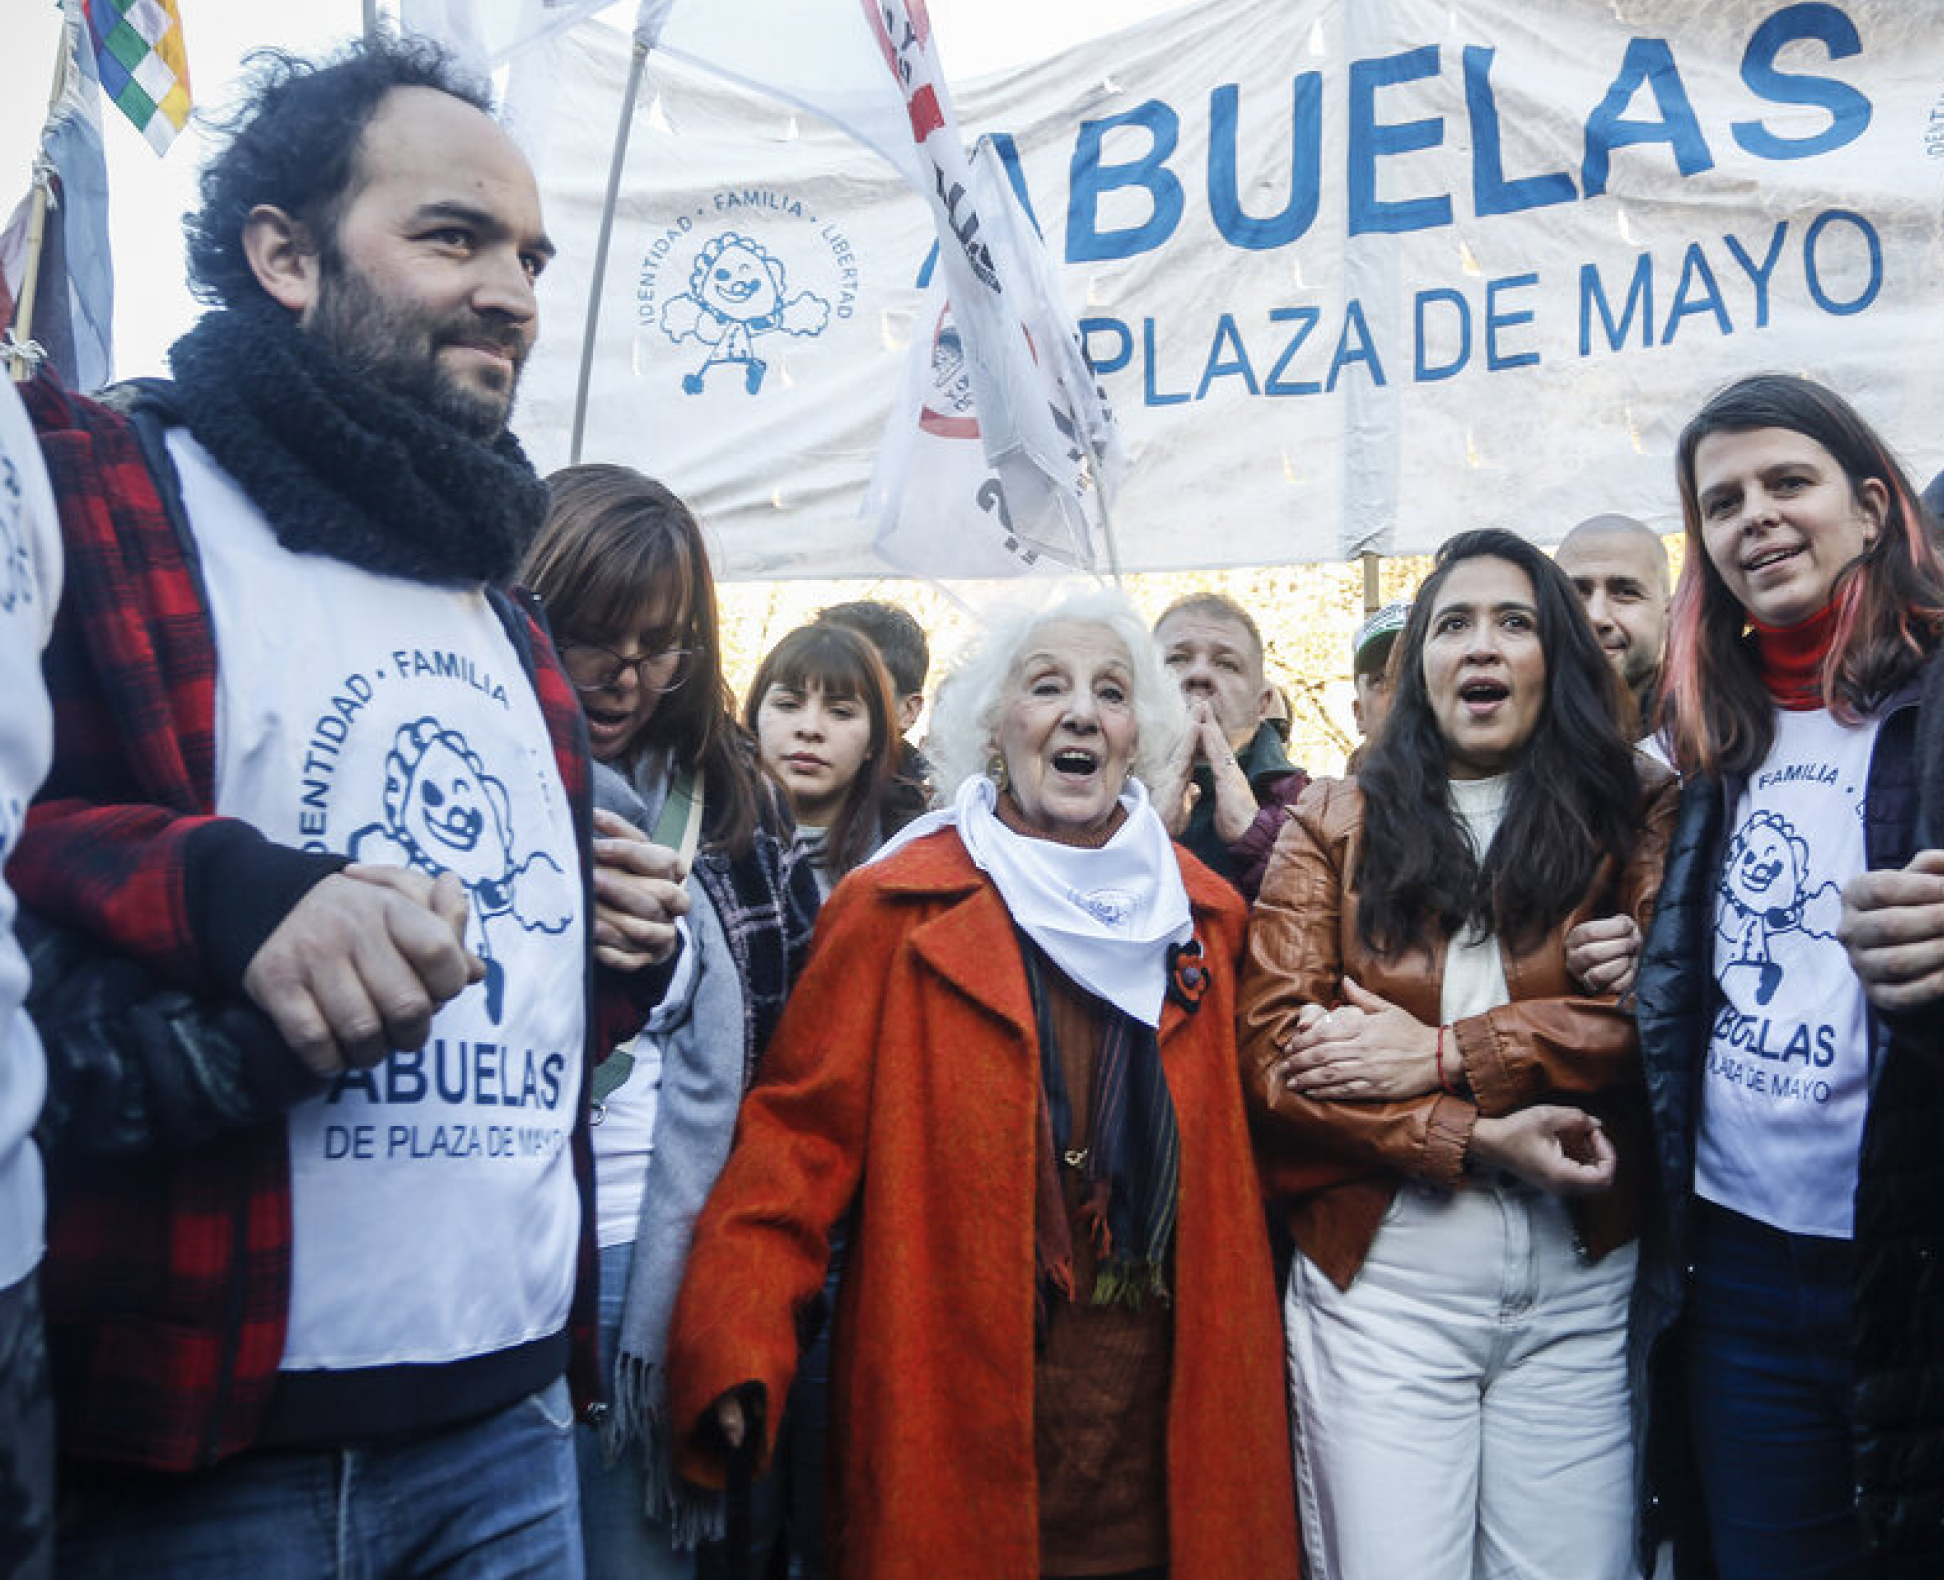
(1370,651)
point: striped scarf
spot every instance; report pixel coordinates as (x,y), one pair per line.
(1130,1169)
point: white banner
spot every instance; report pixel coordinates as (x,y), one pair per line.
(1352,275)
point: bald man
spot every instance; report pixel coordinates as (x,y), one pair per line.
(1620,570)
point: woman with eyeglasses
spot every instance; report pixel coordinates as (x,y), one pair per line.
(621,569)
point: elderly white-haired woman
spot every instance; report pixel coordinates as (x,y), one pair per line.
(1013,1049)
(967,704)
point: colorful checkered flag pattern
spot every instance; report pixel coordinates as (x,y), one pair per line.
(144,67)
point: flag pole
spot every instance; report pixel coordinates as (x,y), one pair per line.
(1100,493)
(635,65)
(21,357)
(370,20)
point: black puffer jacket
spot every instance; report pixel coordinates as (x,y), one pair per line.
(1899,1326)
(1900,1230)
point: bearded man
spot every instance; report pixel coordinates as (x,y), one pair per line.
(319,1196)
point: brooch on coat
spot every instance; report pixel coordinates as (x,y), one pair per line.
(1187,974)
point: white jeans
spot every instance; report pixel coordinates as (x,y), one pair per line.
(1462,1410)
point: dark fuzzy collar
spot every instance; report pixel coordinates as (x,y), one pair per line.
(341,467)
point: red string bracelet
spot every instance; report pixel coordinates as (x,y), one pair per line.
(1449,1089)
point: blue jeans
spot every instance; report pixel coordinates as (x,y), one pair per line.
(621,1544)
(1769,1378)
(491,1500)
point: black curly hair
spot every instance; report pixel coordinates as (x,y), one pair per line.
(293,143)
(1574,799)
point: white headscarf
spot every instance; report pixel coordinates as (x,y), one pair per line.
(1105,917)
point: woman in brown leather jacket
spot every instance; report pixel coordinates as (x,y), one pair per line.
(1450,1126)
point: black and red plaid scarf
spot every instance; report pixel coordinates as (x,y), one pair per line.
(1130,1169)
(339,466)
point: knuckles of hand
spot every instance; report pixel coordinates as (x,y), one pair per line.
(406,1008)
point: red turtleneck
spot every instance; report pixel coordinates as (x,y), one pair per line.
(1791,658)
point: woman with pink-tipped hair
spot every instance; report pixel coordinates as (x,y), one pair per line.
(1797,1126)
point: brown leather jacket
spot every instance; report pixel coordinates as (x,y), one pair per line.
(1332,1167)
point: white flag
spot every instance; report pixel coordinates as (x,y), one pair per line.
(1080,406)
(937,505)
(872,67)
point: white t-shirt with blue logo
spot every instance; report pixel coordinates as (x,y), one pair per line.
(1786,1087)
(435,1212)
(30,587)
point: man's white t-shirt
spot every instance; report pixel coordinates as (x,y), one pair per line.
(435,1214)
(30,587)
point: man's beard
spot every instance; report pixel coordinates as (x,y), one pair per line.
(397,349)
(1639,669)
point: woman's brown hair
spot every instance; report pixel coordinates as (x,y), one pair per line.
(1889,600)
(613,543)
(839,662)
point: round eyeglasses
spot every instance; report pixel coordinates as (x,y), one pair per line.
(591,667)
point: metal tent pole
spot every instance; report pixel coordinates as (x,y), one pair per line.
(635,65)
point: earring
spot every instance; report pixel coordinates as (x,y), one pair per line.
(996,770)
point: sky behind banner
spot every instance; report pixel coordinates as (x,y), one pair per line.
(1352,275)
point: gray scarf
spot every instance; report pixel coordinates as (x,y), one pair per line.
(695,1120)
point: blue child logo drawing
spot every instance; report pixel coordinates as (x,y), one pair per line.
(445,813)
(738,291)
(1766,893)
(1109,907)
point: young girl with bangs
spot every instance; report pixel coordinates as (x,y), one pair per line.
(1797,1127)
(821,710)
(623,574)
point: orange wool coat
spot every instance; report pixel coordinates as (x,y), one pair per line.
(905,1075)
